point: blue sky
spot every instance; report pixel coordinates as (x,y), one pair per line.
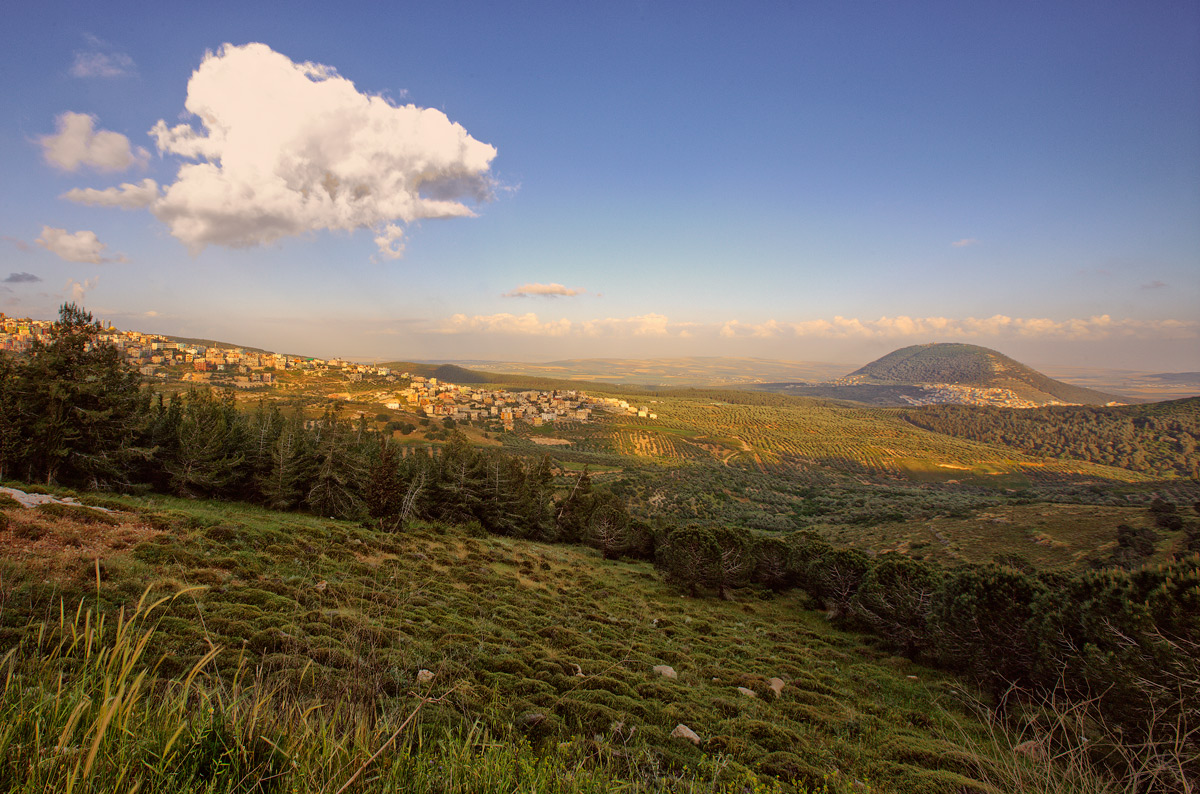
(808,181)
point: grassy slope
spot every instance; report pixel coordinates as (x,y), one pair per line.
(540,644)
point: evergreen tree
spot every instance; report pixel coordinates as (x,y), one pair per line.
(207,459)
(77,407)
(287,481)
(735,560)
(895,599)
(338,472)
(385,490)
(690,558)
(575,510)
(608,527)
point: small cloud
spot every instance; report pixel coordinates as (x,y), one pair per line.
(101,59)
(963,243)
(22,278)
(127,196)
(80,289)
(542,290)
(151,313)
(390,242)
(77,143)
(80,246)
(1154,285)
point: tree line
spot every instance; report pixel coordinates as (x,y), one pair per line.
(72,412)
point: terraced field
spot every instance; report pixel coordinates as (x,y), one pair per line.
(816,434)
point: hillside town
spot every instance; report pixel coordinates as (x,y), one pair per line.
(161,358)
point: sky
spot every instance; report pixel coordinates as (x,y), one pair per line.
(808,181)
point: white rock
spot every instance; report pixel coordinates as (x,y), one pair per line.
(665,670)
(424,676)
(684,732)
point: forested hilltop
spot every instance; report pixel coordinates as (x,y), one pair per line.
(329,603)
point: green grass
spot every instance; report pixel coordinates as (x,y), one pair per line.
(280,652)
(545,651)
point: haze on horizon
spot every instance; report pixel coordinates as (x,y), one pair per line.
(629,180)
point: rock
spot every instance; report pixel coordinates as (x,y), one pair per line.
(684,732)
(776,685)
(750,693)
(424,676)
(665,670)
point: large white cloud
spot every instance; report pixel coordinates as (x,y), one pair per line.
(78,143)
(80,246)
(286,148)
(127,196)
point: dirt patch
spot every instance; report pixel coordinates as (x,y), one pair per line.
(37,540)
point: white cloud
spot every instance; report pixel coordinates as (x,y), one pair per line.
(1098,327)
(542,290)
(101,60)
(390,242)
(504,323)
(963,243)
(733,329)
(80,246)
(101,64)
(77,143)
(287,148)
(80,289)
(127,196)
(642,325)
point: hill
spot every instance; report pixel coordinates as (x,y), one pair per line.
(974,367)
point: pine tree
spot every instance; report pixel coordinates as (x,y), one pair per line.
(286,482)
(208,459)
(337,474)
(384,490)
(79,408)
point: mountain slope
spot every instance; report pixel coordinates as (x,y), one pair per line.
(971,366)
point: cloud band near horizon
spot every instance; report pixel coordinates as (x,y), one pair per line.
(1096,328)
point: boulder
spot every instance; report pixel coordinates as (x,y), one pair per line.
(684,732)
(424,676)
(750,693)
(665,670)
(776,685)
